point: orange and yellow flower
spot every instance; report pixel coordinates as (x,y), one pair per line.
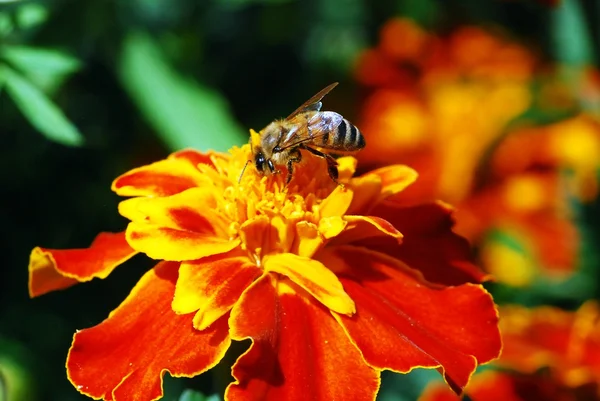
(510,386)
(333,284)
(548,354)
(448,107)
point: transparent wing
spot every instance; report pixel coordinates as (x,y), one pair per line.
(314,103)
(319,125)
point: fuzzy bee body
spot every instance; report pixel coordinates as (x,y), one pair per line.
(307,128)
(345,138)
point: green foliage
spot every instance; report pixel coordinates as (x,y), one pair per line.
(46,68)
(39,110)
(184,113)
(15,380)
(28,73)
(191,395)
(571,38)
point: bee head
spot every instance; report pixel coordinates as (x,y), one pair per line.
(262,163)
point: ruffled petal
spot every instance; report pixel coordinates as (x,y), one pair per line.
(55,269)
(263,235)
(402,322)
(124,357)
(379,184)
(309,238)
(176,245)
(179,227)
(429,244)
(190,210)
(163,178)
(364,227)
(194,157)
(336,203)
(211,286)
(394,179)
(299,352)
(313,277)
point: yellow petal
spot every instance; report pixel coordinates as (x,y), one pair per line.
(330,227)
(315,278)
(308,240)
(337,203)
(176,245)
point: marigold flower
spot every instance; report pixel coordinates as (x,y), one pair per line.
(333,284)
(451,108)
(507,386)
(548,354)
(566,343)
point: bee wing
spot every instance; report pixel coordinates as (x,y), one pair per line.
(314,103)
(319,125)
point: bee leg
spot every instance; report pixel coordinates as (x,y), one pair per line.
(294,157)
(331,163)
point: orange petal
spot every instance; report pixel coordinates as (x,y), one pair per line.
(336,203)
(184,226)
(394,179)
(55,269)
(363,227)
(255,234)
(437,391)
(379,184)
(429,244)
(314,277)
(190,210)
(548,337)
(124,357)
(163,178)
(176,245)
(366,190)
(416,325)
(299,352)
(262,235)
(193,157)
(507,386)
(211,286)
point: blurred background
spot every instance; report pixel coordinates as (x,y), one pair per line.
(496,103)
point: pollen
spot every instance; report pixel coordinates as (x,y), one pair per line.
(254,201)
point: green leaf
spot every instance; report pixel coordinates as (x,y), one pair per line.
(191,395)
(17,381)
(31,15)
(570,34)
(1,79)
(6,24)
(47,68)
(424,12)
(183,112)
(41,112)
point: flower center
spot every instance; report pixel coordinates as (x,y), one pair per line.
(265,212)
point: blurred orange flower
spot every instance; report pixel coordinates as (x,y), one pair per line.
(289,267)
(566,343)
(448,107)
(548,354)
(505,386)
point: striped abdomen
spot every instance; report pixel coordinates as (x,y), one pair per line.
(346,138)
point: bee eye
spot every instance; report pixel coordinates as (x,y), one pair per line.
(271,166)
(259,161)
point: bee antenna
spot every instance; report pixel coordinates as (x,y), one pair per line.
(242,173)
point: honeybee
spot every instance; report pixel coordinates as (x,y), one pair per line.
(307,128)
